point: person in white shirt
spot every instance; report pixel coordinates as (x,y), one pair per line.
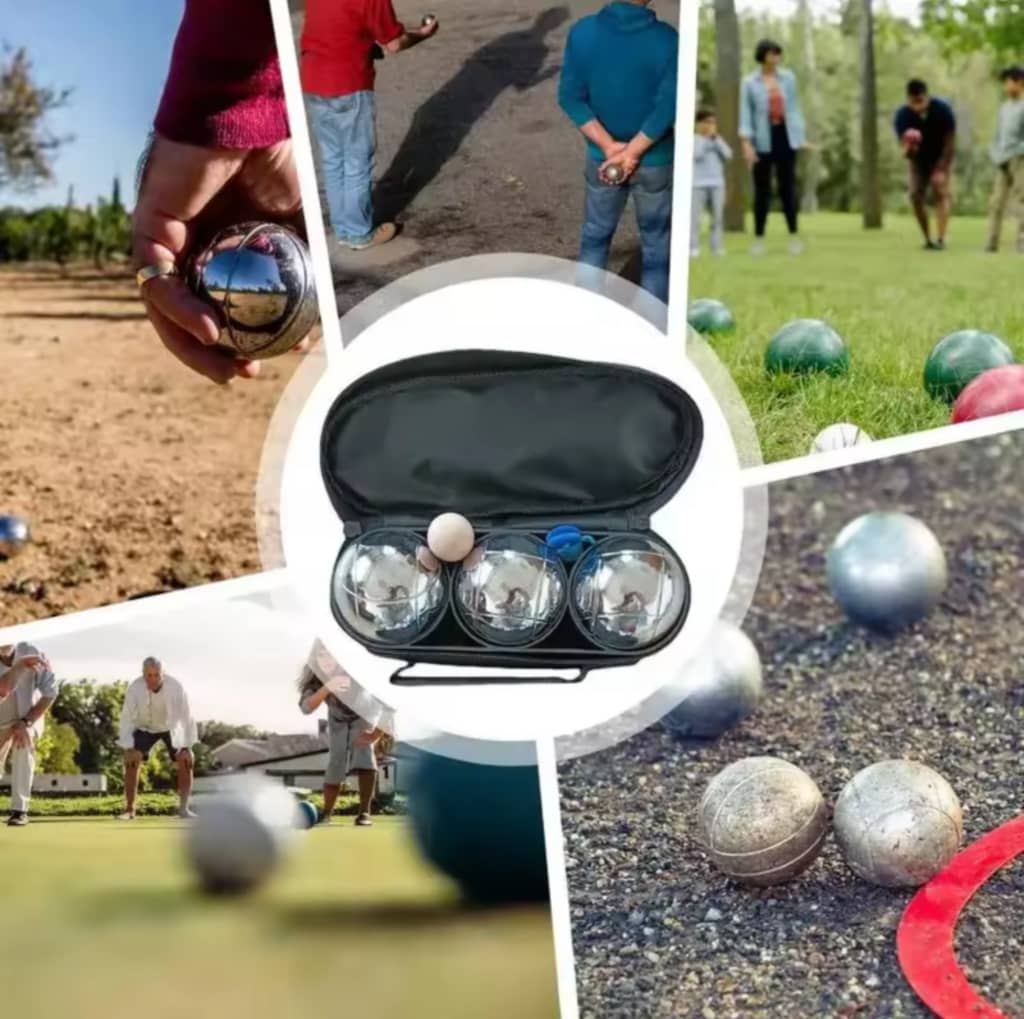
(156,710)
(28,688)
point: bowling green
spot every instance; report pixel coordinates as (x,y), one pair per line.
(109,923)
(889,300)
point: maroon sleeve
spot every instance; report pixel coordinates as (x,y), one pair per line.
(384,24)
(224,88)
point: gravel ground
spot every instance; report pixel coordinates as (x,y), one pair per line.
(659,932)
(474,154)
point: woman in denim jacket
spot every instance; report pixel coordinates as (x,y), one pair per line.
(772,131)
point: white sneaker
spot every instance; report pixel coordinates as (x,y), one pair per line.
(757,248)
(719,253)
(128,815)
(795,246)
(694,252)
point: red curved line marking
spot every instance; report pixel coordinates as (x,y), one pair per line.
(924,939)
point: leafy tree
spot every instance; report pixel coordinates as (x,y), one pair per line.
(57,747)
(26,145)
(968,26)
(93,711)
(216,734)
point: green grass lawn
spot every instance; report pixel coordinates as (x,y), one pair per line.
(102,919)
(890,300)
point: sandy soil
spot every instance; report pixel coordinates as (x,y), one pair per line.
(474,154)
(136,475)
(659,932)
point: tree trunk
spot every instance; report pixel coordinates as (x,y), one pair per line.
(727,99)
(870,177)
(812,156)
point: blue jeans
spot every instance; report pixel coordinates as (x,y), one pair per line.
(346,134)
(651,188)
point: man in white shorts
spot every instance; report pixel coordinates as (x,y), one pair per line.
(28,688)
(156,710)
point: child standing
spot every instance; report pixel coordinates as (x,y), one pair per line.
(710,154)
(1008,156)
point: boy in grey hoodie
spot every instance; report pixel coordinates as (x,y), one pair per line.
(710,154)
(1008,155)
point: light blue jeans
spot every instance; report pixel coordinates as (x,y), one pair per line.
(651,188)
(346,135)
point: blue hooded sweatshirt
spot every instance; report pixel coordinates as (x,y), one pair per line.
(620,69)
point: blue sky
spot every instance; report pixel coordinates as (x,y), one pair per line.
(114,55)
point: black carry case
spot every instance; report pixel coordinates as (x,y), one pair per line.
(512,441)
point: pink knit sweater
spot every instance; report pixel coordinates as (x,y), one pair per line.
(224,88)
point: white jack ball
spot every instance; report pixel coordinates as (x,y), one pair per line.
(450,537)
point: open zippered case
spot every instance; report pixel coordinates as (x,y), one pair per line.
(519,443)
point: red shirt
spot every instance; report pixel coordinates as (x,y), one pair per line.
(336,51)
(776,103)
(224,84)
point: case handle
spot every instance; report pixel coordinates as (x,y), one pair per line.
(400,677)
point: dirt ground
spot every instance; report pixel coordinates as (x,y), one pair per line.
(659,932)
(474,154)
(136,475)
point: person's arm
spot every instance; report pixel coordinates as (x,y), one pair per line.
(224,86)
(23,727)
(662,117)
(794,102)
(126,726)
(391,35)
(189,727)
(309,703)
(723,148)
(948,145)
(574,99)
(746,131)
(14,675)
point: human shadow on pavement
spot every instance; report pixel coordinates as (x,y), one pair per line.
(440,125)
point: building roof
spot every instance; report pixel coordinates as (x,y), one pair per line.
(246,752)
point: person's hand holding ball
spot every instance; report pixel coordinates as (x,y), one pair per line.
(911,141)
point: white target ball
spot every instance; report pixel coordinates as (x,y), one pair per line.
(762,820)
(839,436)
(450,537)
(241,834)
(898,823)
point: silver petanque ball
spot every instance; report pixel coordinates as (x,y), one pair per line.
(898,823)
(615,174)
(388,588)
(762,821)
(259,279)
(14,535)
(510,590)
(886,570)
(428,20)
(720,687)
(628,592)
